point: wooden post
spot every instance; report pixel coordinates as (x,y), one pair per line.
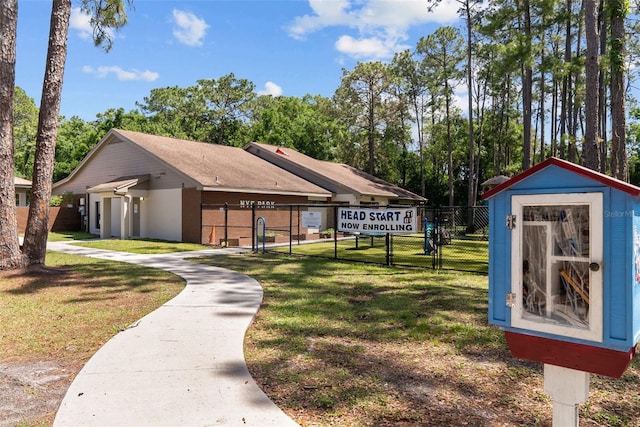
(568,388)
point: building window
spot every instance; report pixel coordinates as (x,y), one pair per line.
(98,215)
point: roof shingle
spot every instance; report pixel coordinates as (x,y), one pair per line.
(219,166)
(341,175)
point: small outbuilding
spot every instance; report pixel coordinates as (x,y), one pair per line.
(564,267)
(23,188)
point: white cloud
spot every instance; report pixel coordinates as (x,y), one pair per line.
(327,13)
(189,29)
(81,22)
(378,26)
(121,74)
(372,48)
(270,88)
(363,14)
(376,47)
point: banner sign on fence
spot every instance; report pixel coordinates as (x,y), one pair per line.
(391,220)
(311,219)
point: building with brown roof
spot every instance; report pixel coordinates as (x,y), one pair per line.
(347,184)
(23,187)
(139,185)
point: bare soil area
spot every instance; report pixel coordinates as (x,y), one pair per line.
(54,319)
(30,393)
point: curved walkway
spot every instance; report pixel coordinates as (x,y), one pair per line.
(181,365)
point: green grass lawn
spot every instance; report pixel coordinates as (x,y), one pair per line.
(337,343)
(143,246)
(373,302)
(83,301)
(70,235)
(460,255)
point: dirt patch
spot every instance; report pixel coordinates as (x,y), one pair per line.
(32,392)
(55,318)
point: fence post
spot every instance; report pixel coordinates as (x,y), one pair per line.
(436,234)
(335,232)
(226,224)
(202,230)
(254,247)
(290,228)
(335,235)
(298,225)
(388,242)
(439,253)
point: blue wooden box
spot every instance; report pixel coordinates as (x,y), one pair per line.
(564,266)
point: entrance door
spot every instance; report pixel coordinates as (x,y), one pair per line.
(556,259)
(135,217)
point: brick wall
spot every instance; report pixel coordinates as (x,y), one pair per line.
(60,218)
(239,218)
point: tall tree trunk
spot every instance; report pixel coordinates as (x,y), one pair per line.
(602,89)
(542,101)
(371,132)
(566,86)
(618,107)
(35,239)
(9,244)
(473,172)
(527,83)
(420,129)
(575,108)
(450,140)
(503,158)
(591,150)
(481,110)
(554,115)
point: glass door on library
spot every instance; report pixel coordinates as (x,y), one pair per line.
(556,259)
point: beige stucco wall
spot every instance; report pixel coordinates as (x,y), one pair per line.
(121,159)
(161,215)
(116,230)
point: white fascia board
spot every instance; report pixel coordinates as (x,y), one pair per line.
(261,191)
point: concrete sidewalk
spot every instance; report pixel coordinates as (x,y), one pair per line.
(181,365)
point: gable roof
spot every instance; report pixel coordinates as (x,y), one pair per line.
(21,182)
(214,167)
(572,167)
(119,184)
(335,177)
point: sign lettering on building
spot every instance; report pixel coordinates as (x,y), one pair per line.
(260,204)
(391,220)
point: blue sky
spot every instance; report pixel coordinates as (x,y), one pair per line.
(289,48)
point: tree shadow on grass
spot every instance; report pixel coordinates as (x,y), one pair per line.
(337,376)
(106,276)
(420,346)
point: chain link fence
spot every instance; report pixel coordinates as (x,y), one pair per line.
(448,238)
